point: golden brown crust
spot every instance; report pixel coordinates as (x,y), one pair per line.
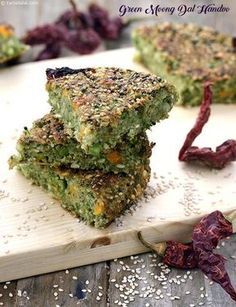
(45,130)
(101,95)
(199,52)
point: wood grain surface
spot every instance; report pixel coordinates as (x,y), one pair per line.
(100,285)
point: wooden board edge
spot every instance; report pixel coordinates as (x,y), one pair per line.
(74,254)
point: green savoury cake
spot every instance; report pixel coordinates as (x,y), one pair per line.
(187,55)
(10,46)
(95,197)
(48,143)
(99,106)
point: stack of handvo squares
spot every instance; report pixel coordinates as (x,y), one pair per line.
(91,152)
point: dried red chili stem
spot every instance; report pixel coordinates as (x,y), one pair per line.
(158,248)
(76,13)
(74,6)
(212,158)
(201,120)
(231,216)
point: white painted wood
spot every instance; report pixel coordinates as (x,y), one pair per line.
(38,236)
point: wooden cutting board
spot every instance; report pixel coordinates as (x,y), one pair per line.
(38,236)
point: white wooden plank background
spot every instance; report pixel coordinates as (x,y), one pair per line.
(24,17)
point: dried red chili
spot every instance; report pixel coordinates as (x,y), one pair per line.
(180,255)
(210,230)
(81,32)
(206,236)
(174,254)
(201,120)
(51,51)
(224,153)
(199,253)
